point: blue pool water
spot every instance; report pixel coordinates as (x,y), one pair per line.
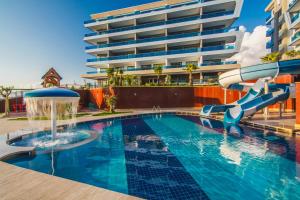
(178,157)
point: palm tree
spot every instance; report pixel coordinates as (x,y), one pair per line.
(158,69)
(110,75)
(121,72)
(168,80)
(110,101)
(129,79)
(190,68)
(292,53)
(5,92)
(272,57)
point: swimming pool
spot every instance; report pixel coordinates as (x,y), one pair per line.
(178,157)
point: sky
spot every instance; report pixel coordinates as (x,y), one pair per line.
(38,34)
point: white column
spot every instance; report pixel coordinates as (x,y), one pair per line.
(266,87)
(201,77)
(200,60)
(53,119)
(137,64)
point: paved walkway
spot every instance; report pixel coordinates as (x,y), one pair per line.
(10,126)
(22,184)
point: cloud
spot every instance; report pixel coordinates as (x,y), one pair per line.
(253,46)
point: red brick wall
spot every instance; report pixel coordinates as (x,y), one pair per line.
(170,97)
(147,97)
(165,97)
(298,103)
(84,98)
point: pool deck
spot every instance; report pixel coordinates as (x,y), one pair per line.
(19,183)
(284,125)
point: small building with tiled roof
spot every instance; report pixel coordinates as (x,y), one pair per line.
(51,78)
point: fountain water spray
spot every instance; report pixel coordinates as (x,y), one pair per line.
(52,103)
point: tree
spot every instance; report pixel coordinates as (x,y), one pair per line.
(121,72)
(111,101)
(5,92)
(110,75)
(158,69)
(292,53)
(129,79)
(190,68)
(168,80)
(271,57)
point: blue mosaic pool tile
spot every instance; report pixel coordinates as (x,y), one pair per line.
(153,172)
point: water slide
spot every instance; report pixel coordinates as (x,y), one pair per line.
(255,99)
(254,91)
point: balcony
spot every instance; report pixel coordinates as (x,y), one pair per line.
(270,32)
(177,36)
(292,3)
(185,19)
(103,71)
(270,44)
(294,6)
(295,39)
(295,17)
(269,19)
(164,53)
(147,11)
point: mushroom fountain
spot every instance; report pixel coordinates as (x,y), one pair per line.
(54,104)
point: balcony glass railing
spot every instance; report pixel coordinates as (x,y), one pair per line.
(295,37)
(162,53)
(147,11)
(268,18)
(270,44)
(292,3)
(102,71)
(173,21)
(295,17)
(270,32)
(177,36)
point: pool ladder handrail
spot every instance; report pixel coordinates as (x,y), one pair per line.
(156,109)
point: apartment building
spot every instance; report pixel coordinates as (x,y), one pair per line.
(284,24)
(169,33)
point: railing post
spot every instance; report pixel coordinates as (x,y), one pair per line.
(266,87)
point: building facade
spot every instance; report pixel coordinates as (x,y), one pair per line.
(284,25)
(167,33)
